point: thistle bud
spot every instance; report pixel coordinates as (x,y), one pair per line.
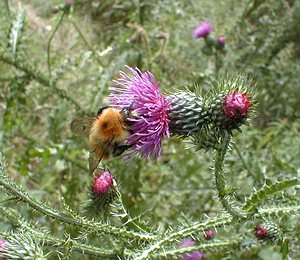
(103,192)
(209,234)
(102,183)
(221,42)
(69,3)
(267,231)
(236,105)
(236,109)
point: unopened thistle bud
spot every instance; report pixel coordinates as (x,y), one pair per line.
(209,234)
(103,192)
(190,256)
(267,231)
(221,42)
(236,109)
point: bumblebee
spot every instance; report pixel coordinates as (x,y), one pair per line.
(107,133)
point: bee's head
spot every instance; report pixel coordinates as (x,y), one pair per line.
(126,112)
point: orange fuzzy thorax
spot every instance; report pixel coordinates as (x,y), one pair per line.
(110,128)
(110,125)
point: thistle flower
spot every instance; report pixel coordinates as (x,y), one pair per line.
(267,231)
(220,44)
(139,92)
(102,183)
(209,234)
(236,105)
(221,41)
(191,256)
(202,30)
(183,113)
(102,193)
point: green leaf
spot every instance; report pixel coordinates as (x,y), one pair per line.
(16,29)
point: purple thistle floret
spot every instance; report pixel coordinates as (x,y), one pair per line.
(196,255)
(139,92)
(202,30)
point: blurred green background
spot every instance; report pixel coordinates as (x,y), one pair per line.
(93,42)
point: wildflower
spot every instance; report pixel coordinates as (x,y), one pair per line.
(190,256)
(267,231)
(221,41)
(202,30)
(236,105)
(2,244)
(261,232)
(220,44)
(69,3)
(209,234)
(103,192)
(102,183)
(139,92)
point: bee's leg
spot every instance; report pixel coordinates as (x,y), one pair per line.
(119,149)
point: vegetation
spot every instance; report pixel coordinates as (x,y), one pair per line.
(57,62)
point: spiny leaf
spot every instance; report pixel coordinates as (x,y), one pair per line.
(266,191)
(15,31)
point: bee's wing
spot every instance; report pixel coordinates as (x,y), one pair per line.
(82,125)
(94,160)
(104,151)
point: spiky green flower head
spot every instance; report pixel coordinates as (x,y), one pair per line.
(267,231)
(229,105)
(102,192)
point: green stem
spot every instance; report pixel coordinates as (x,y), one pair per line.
(76,246)
(73,220)
(6,4)
(49,44)
(278,210)
(210,223)
(209,246)
(220,178)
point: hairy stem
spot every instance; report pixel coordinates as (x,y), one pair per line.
(211,246)
(73,220)
(213,222)
(220,179)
